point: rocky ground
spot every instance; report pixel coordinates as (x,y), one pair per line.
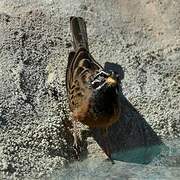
(142,36)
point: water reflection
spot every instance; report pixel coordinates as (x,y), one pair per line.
(140,155)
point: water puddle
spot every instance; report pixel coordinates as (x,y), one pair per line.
(131,165)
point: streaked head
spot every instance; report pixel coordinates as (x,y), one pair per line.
(105,80)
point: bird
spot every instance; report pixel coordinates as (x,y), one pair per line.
(93,93)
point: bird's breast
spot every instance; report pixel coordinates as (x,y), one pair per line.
(86,114)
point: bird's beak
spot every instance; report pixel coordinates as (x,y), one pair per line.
(111,81)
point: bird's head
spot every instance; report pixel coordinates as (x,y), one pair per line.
(104,81)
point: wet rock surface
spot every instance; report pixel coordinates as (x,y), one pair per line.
(142,37)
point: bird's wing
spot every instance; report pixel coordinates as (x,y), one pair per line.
(79,71)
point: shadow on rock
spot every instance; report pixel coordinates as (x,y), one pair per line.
(131,139)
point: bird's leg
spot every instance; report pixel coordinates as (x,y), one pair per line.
(76,139)
(104,133)
(105,141)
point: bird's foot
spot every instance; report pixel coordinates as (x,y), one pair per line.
(76,146)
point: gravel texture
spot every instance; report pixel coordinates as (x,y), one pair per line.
(141,36)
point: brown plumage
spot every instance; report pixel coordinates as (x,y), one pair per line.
(93,93)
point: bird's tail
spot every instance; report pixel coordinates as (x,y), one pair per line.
(79,33)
